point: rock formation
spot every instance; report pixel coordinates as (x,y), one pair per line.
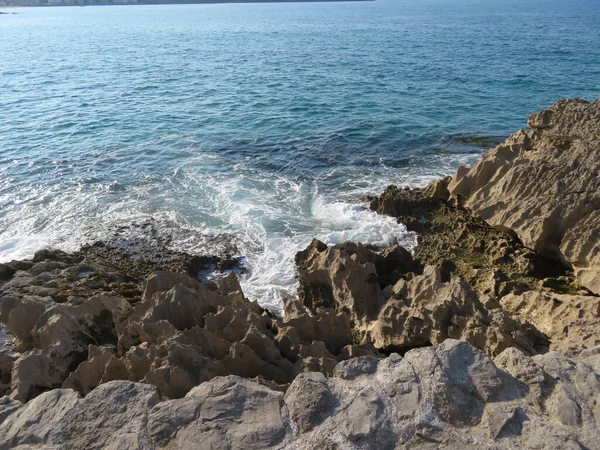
(446,396)
(404,310)
(544,185)
(487,336)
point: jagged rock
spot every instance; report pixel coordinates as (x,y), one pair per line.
(20,314)
(571,322)
(60,340)
(342,277)
(421,311)
(325,325)
(90,372)
(446,396)
(491,261)
(544,186)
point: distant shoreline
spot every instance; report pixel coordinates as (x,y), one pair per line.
(53,3)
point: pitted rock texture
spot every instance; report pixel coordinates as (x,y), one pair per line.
(492,261)
(416,310)
(571,322)
(544,185)
(446,396)
(176,335)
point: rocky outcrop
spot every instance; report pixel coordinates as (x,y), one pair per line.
(491,340)
(446,396)
(406,310)
(177,334)
(509,226)
(544,185)
(572,322)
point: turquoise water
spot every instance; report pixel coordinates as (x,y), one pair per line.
(266,122)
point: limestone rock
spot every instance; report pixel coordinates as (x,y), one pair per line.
(458,381)
(309,400)
(544,186)
(419,311)
(35,422)
(571,322)
(446,396)
(227,412)
(60,338)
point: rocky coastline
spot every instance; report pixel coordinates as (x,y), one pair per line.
(487,336)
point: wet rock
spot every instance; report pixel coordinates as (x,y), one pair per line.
(490,260)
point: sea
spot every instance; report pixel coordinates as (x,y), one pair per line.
(254,128)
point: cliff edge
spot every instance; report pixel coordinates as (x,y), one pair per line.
(544,185)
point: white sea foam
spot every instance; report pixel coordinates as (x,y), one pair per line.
(266,217)
(272,274)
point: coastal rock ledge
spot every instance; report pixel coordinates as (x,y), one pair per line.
(544,185)
(487,336)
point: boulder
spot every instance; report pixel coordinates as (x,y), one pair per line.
(228,412)
(309,400)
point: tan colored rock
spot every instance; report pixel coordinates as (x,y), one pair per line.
(20,316)
(572,322)
(61,338)
(421,311)
(544,185)
(90,372)
(342,277)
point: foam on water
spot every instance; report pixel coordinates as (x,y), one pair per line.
(272,269)
(254,128)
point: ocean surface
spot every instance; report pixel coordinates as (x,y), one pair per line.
(260,126)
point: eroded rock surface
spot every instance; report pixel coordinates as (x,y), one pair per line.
(176,334)
(415,310)
(544,185)
(446,396)
(485,337)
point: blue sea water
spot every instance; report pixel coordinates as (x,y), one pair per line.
(269,123)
